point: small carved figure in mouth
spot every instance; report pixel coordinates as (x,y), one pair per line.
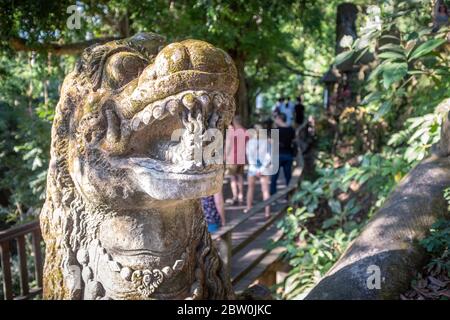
(132,119)
(192,116)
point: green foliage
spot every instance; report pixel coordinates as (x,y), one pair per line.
(28,93)
(412,72)
(437,243)
(313,259)
(312,251)
(263,37)
(410,78)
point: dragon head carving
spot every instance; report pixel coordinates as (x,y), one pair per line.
(113,149)
(130,99)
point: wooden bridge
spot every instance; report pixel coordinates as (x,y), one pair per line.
(243,245)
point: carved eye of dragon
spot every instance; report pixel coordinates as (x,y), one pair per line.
(123,67)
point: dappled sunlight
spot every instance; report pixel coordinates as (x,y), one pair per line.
(225,150)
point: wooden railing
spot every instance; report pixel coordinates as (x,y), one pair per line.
(17,236)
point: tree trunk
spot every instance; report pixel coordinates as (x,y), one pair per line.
(345,23)
(30,84)
(46,80)
(242,105)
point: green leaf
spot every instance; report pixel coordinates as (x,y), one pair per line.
(393,72)
(425,48)
(385,107)
(329,223)
(412,36)
(361,54)
(335,206)
(392,55)
(415,72)
(390,37)
(393,47)
(374,96)
(343,56)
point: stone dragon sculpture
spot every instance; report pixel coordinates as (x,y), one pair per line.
(122,217)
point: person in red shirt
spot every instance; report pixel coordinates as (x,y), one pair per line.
(236,137)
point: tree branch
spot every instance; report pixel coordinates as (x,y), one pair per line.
(19,44)
(296,71)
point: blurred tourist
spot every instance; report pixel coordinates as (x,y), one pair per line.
(259,159)
(299,110)
(287,151)
(212,216)
(218,201)
(285,106)
(235,159)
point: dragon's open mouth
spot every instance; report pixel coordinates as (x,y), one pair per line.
(178,134)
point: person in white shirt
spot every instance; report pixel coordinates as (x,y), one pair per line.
(259,160)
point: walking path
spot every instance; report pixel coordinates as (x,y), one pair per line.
(250,239)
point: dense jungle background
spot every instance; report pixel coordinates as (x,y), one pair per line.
(372,95)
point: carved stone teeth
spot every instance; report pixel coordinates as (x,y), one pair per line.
(204,100)
(198,273)
(189,100)
(188,123)
(195,289)
(168,155)
(135,123)
(146,117)
(198,125)
(106,257)
(158,111)
(172,106)
(112,132)
(92,252)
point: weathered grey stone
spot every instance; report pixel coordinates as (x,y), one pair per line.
(122,197)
